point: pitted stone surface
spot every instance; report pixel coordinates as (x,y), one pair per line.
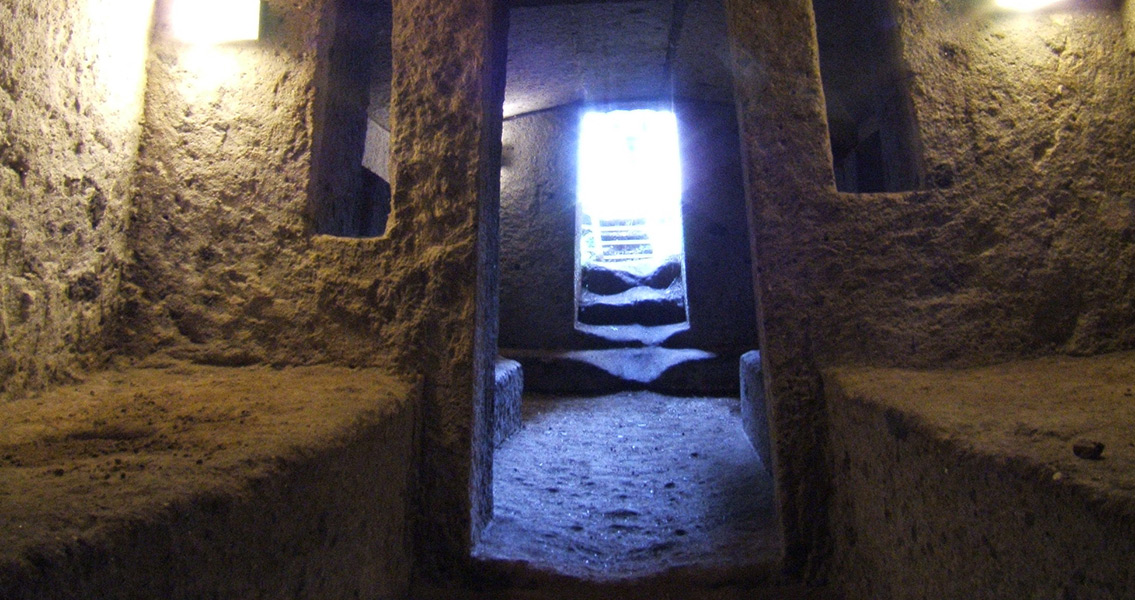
(71,78)
(1023,243)
(1022,246)
(630,485)
(227,270)
(964,481)
(183,481)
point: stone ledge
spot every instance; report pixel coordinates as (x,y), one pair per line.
(965,482)
(673,371)
(190,482)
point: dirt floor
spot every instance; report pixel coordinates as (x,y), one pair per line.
(1038,410)
(80,460)
(631,485)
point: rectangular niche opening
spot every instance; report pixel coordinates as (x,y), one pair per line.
(630,267)
(351,194)
(874,140)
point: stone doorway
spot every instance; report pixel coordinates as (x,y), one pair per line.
(585,383)
(630,270)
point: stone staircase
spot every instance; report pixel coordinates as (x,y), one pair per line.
(623,239)
(633,293)
(630,309)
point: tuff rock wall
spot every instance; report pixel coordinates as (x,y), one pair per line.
(230,272)
(537,236)
(301,489)
(71,81)
(1022,243)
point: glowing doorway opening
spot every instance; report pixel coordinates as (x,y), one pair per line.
(630,186)
(631,257)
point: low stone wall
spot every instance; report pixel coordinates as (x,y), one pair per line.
(754,408)
(965,485)
(506,400)
(209,483)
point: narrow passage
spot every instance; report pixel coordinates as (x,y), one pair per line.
(630,485)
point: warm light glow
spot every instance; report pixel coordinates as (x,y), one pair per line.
(122,33)
(205,70)
(1025,5)
(215,21)
(629,169)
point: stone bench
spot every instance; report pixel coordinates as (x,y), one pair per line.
(199,482)
(965,483)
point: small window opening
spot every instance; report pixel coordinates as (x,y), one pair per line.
(374,197)
(630,268)
(870,120)
(352,195)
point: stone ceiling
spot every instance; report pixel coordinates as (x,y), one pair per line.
(565,52)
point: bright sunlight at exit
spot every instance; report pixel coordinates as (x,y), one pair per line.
(630,188)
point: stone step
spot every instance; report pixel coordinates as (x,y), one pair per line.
(642,312)
(610,279)
(641,305)
(628,336)
(678,371)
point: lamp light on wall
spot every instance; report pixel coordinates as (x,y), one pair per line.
(1024,5)
(215,21)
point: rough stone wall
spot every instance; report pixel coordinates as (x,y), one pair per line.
(538,231)
(228,271)
(922,517)
(1027,241)
(537,235)
(222,176)
(71,79)
(784,148)
(1027,245)
(1024,245)
(1129,23)
(719,278)
(447,92)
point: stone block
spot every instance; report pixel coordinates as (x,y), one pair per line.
(754,411)
(506,400)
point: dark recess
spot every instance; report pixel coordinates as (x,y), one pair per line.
(347,199)
(874,139)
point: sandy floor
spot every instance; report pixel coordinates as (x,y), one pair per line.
(630,485)
(82,459)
